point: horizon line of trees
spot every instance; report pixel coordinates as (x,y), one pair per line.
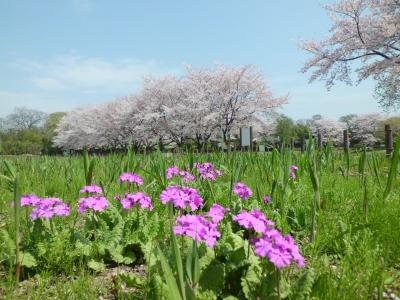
(22,132)
(29,131)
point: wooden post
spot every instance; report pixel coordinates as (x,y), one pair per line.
(345,140)
(240,139)
(251,139)
(388,140)
(228,147)
(319,140)
(302,143)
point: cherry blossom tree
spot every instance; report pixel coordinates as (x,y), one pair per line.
(331,130)
(202,117)
(363,129)
(162,103)
(238,93)
(93,127)
(365,34)
(168,110)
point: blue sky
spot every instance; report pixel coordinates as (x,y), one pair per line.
(60,55)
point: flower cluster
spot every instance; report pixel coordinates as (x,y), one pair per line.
(207,171)
(131,178)
(182,196)
(267,199)
(140,198)
(45,208)
(242,190)
(198,228)
(293,170)
(216,213)
(29,200)
(254,220)
(172,171)
(91,189)
(185,175)
(280,250)
(95,201)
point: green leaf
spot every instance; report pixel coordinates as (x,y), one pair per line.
(178,262)
(27,260)
(213,277)
(193,265)
(206,295)
(132,280)
(172,286)
(302,288)
(393,169)
(41,248)
(207,256)
(10,170)
(362,162)
(251,281)
(96,265)
(117,255)
(238,257)
(89,176)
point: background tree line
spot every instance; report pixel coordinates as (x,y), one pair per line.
(29,131)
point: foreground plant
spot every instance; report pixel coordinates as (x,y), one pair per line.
(182,197)
(95,201)
(45,208)
(280,250)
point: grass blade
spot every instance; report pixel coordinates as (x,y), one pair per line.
(393,170)
(173,290)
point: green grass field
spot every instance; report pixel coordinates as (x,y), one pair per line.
(342,211)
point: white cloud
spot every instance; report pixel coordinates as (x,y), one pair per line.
(10,99)
(42,101)
(65,82)
(76,73)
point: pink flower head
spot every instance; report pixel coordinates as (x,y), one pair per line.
(131,178)
(219,173)
(95,203)
(217,212)
(181,197)
(91,189)
(293,170)
(281,251)
(172,171)
(267,199)
(47,208)
(187,177)
(242,190)
(198,228)
(254,220)
(29,200)
(139,198)
(207,171)
(61,209)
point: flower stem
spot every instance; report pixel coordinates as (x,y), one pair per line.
(278,279)
(17,206)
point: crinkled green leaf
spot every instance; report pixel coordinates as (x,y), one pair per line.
(27,260)
(96,265)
